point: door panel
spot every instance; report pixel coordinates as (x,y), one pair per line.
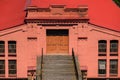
(63,47)
(52,44)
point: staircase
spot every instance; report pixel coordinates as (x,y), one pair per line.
(57,67)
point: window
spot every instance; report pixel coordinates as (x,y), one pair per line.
(114,46)
(101,66)
(11,46)
(12,67)
(2,47)
(102,44)
(113,66)
(2,67)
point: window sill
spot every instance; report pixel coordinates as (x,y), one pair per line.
(12,54)
(101,53)
(102,75)
(2,75)
(12,75)
(113,53)
(113,75)
(2,54)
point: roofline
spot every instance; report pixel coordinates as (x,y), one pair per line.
(56,5)
(12,26)
(103,27)
(88,23)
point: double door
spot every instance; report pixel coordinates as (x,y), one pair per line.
(57,41)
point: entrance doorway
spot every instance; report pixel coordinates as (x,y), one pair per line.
(57,41)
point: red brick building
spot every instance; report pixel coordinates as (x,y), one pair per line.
(57,30)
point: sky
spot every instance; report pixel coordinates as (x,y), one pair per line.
(101,12)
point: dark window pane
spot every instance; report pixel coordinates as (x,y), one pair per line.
(113,66)
(2,62)
(114,46)
(12,71)
(12,67)
(12,46)
(53,32)
(2,67)
(12,61)
(2,46)
(102,44)
(2,71)
(12,50)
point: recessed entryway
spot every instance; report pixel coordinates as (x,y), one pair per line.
(57,41)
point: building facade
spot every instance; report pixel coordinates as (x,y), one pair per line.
(57,30)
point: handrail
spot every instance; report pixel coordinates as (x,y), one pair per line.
(41,64)
(78,72)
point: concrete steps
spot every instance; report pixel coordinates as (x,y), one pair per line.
(58,67)
(58,61)
(57,57)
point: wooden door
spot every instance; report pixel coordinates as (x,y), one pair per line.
(58,42)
